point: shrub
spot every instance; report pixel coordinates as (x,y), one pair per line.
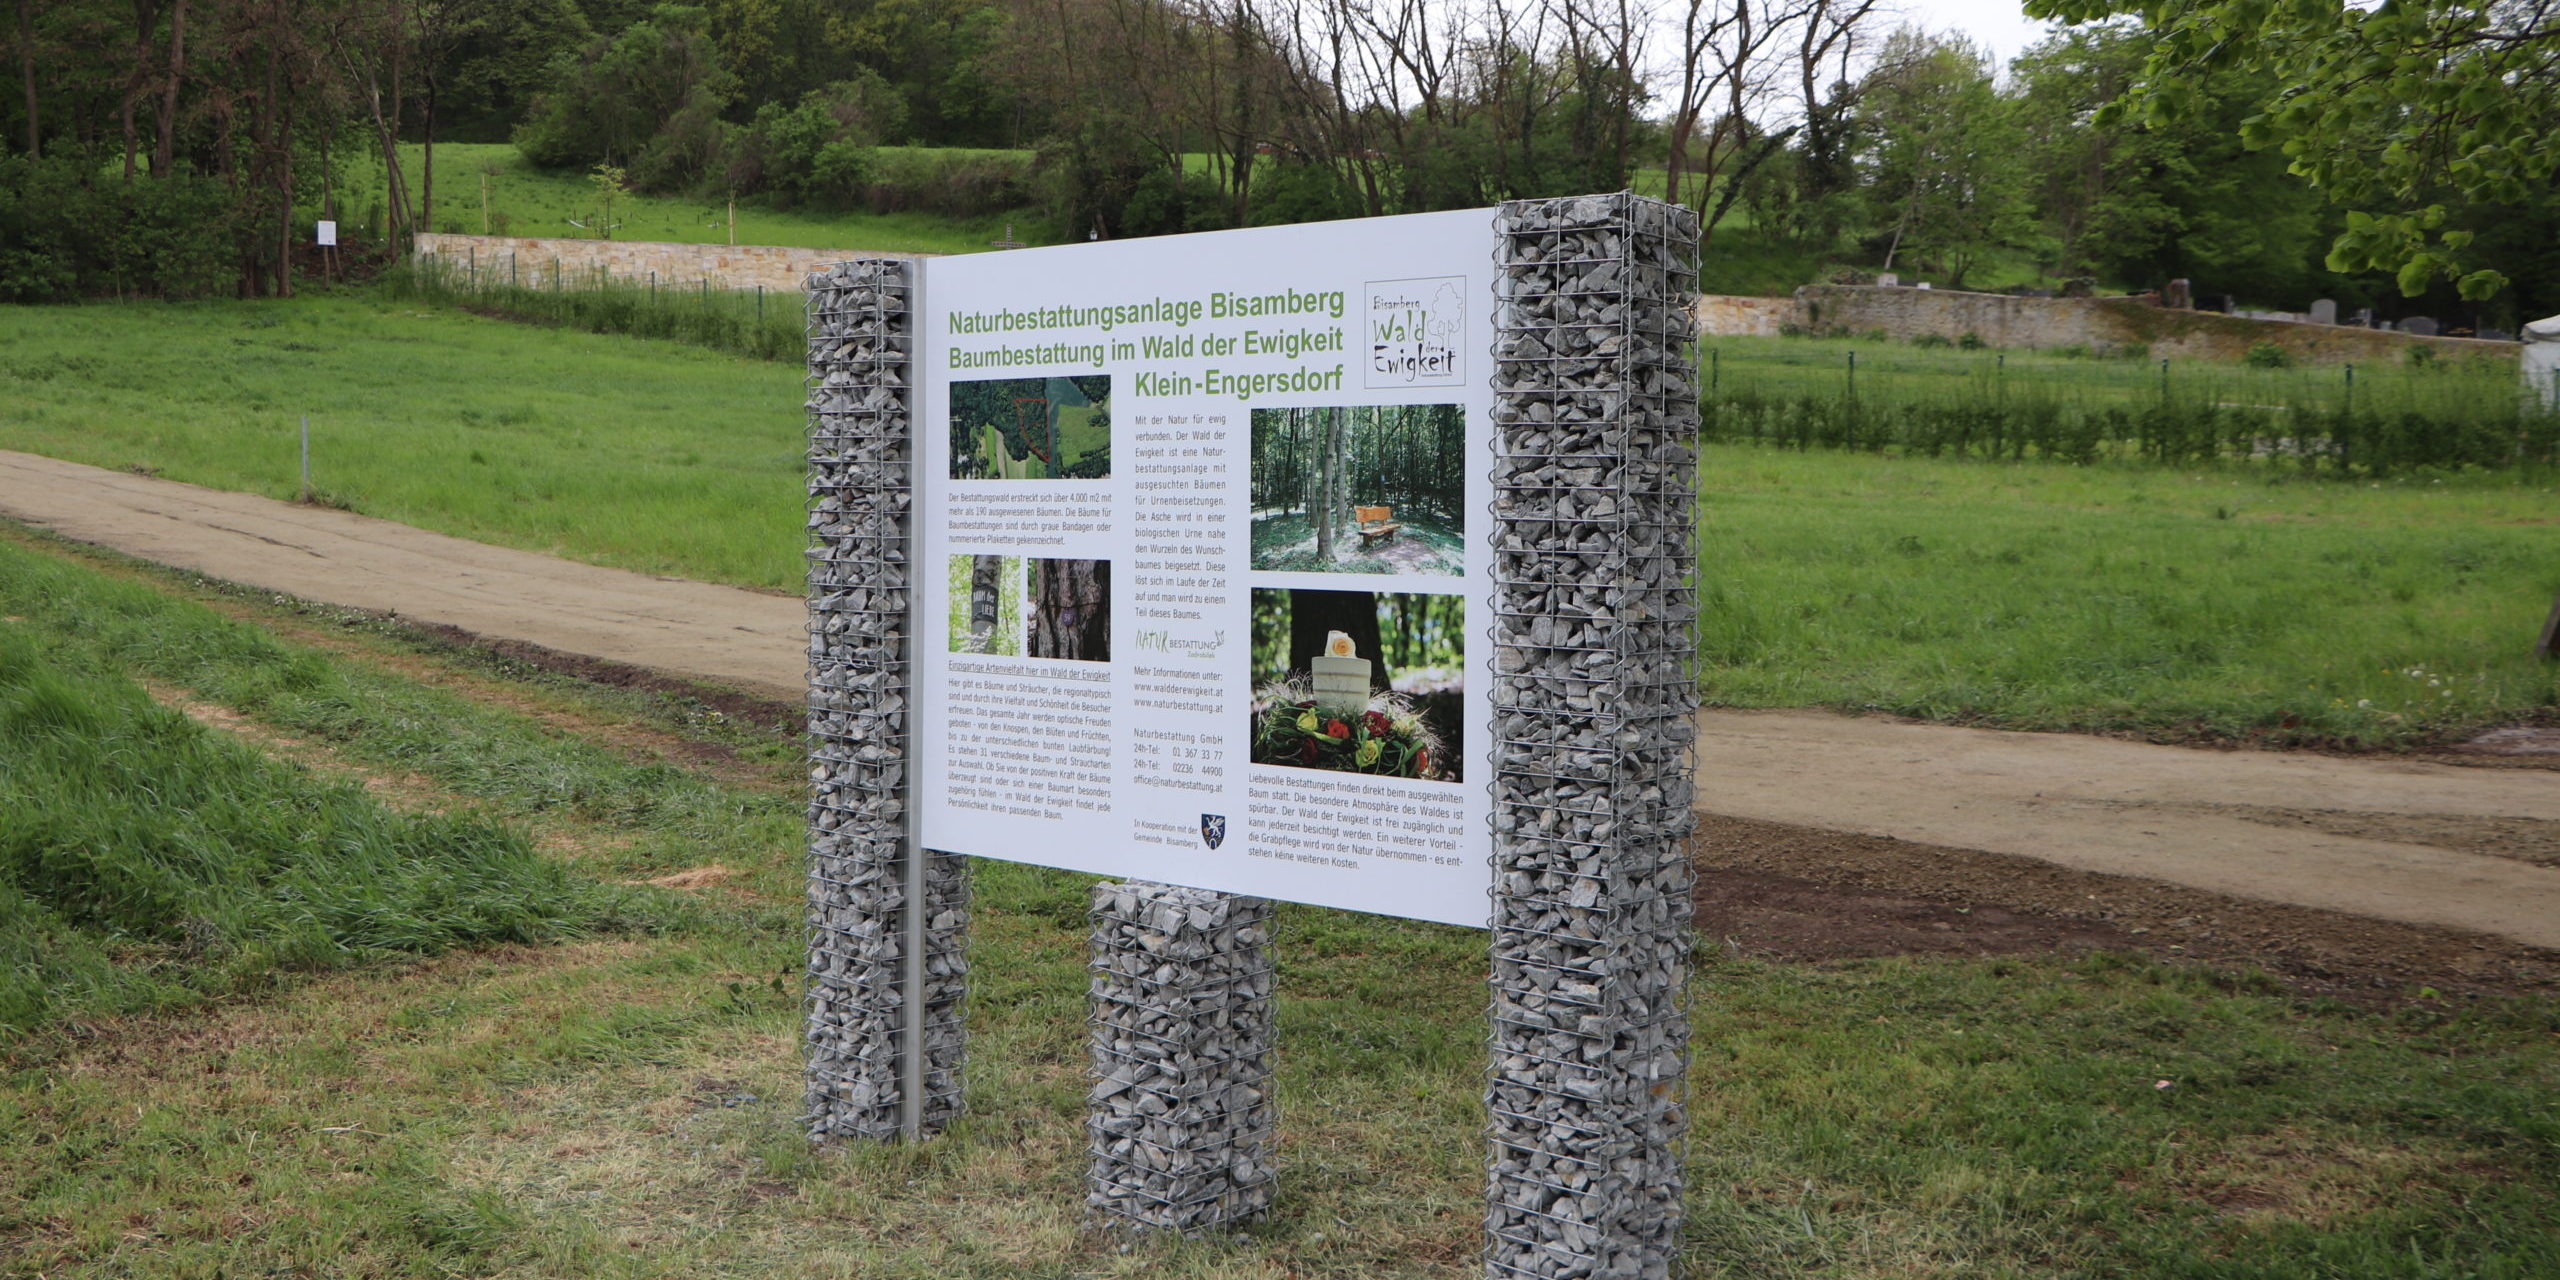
(1931,340)
(1971,341)
(2266,355)
(953,184)
(67,229)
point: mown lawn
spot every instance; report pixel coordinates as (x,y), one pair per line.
(2226,602)
(638,454)
(625,1105)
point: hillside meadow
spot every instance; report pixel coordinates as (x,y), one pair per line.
(2224,602)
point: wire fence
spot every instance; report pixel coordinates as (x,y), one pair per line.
(2361,420)
(766,324)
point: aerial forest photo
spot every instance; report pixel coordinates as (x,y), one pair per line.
(1360,682)
(1360,489)
(1017,607)
(1031,428)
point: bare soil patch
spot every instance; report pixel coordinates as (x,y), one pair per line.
(1797,893)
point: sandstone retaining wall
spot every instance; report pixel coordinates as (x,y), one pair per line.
(726,266)
(2102,324)
(1731,315)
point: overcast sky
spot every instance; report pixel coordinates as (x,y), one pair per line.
(1999,25)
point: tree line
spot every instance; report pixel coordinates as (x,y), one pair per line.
(183,133)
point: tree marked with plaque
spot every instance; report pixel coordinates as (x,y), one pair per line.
(1344,564)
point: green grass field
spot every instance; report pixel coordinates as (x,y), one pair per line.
(642,455)
(2218,602)
(2226,604)
(626,1105)
(526,201)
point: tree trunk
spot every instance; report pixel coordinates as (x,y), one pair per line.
(164,151)
(427,164)
(986,575)
(1323,504)
(284,194)
(1071,609)
(27,74)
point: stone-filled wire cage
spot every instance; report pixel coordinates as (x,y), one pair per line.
(1181,1117)
(865,981)
(1595,406)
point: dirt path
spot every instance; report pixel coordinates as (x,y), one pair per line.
(2418,842)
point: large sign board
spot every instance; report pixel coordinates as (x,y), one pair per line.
(1204,576)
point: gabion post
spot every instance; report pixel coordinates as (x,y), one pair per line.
(1181,1116)
(1596,407)
(887,918)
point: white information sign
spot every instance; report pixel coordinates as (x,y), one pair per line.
(328,233)
(1204,590)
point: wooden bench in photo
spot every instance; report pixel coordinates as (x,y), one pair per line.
(1374,523)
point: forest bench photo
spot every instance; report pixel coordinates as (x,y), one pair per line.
(1360,489)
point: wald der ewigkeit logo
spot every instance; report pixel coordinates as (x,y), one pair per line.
(1414,331)
(1213,829)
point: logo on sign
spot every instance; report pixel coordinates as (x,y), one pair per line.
(1213,829)
(1414,331)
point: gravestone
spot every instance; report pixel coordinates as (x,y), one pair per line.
(2423,326)
(2324,311)
(2230,305)
(2080,287)
(2362,319)
(2494,334)
(2178,295)
(1887,280)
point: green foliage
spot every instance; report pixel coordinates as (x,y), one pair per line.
(2386,109)
(147,859)
(2148,202)
(68,230)
(2266,355)
(648,98)
(819,152)
(1947,179)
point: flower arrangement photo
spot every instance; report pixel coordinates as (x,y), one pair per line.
(1385,736)
(1359,682)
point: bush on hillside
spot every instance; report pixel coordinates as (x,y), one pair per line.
(68,228)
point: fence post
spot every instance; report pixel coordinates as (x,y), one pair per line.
(2164,380)
(2351,387)
(1853,372)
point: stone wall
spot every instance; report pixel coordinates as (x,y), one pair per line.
(1733,316)
(726,266)
(2099,324)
